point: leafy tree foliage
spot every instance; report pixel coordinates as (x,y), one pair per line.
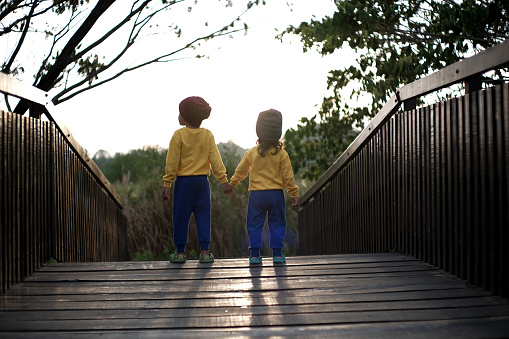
(396,42)
(138,165)
(76,55)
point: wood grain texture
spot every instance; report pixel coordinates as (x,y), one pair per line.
(361,296)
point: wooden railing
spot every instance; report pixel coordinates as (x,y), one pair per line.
(55,202)
(431,182)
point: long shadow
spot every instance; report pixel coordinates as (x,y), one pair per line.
(270,294)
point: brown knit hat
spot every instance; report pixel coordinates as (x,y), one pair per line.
(194,110)
(269,125)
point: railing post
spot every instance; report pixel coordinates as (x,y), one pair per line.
(473,84)
(410,104)
(35,110)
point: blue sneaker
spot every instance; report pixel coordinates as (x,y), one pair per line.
(255,260)
(279,260)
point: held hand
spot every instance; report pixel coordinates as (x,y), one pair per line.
(295,202)
(165,193)
(227,189)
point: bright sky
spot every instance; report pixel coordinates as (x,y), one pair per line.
(240,78)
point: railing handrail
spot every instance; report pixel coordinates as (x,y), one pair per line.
(17,88)
(460,71)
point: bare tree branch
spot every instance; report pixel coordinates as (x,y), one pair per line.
(134,12)
(10,10)
(48,80)
(56,38)
(7,67)
(219,32)
(56,99)
(6,97)
(113,30)
(74,69)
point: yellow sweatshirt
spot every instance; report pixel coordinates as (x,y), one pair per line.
(193,151)
(266,173)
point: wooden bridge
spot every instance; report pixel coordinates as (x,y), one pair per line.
(404,236)
(350,296)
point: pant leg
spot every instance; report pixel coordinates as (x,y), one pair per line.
(277,218)
(182,209)
(202,210)
(256,215)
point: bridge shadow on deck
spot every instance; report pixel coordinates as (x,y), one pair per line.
(360,296)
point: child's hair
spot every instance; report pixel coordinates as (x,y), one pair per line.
(265,145)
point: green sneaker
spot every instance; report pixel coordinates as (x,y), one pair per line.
(206,258)
(179,258)
(255,260)
(279,260)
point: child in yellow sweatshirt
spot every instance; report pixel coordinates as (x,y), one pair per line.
(191,155)
(270,171)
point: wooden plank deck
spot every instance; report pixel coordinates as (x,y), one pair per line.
(354,296)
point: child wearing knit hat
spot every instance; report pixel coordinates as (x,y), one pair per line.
(270,171)
(191,155)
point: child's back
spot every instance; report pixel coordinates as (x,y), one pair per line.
(192,151)
(191,155)
(270,171)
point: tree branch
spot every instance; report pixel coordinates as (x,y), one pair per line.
(58,72)
(113,30)
(9,8)
(8,29)
(7,68)
(56,99)
(219,32)
(416,36)
(48,80)
(6,97)
(56,38)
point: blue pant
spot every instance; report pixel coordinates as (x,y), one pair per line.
(191,195)
(261,204)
